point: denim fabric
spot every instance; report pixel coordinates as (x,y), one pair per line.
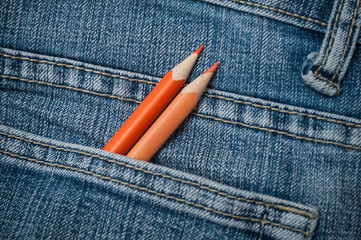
(88,193)
(325,69)
(263,156)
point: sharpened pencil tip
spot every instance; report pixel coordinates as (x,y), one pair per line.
(199,50)
(213,68)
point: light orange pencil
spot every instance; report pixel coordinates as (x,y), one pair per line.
(150,108)
(171,118)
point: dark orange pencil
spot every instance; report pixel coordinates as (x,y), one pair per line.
(150,108)
(171,118)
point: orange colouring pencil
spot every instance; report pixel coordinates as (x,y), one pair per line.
(150,108)
(171,118)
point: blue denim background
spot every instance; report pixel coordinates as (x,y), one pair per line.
(71,73)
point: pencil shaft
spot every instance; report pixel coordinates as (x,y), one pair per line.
(171,118)
(164,127)
(144,115)
(151,106)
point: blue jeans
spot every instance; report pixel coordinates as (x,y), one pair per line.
(272,151)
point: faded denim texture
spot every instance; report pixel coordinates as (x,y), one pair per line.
(325,69)
(263,156)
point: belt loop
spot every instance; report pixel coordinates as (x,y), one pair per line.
(324,71)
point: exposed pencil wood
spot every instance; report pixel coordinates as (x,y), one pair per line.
(150,108)
(171,118)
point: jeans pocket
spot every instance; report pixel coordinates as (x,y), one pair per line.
(53,189)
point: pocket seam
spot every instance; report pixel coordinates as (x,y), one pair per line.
(277,206)
(77,68)
(306,233)
(270,130)
(69,87)
(263,222)
(285,111)
(154,83)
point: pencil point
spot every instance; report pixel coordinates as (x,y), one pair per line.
(213,68)
(199,50)
(182,70)
(200,83)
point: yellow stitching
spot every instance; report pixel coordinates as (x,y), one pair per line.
(308,228)
(280,11)
(276,206)
(331,39)
(72,88)
(197,114)
(284,111)
(150,191)
(208,95)
(263,221)
(330,83)
(323,78)
(277,131)
(78,68)
(348,40)
(138,80)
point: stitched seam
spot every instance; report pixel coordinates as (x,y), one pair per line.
(150,191)
(276,206)
(278,132)
(323,78)
(138,80)
(329,86)
(330,83)
(78,68)
(348,40)
(331,40)
(280,11)
(72,88)
(263,222)
(201,115)
(284,111)
(208,95)
(308,228)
